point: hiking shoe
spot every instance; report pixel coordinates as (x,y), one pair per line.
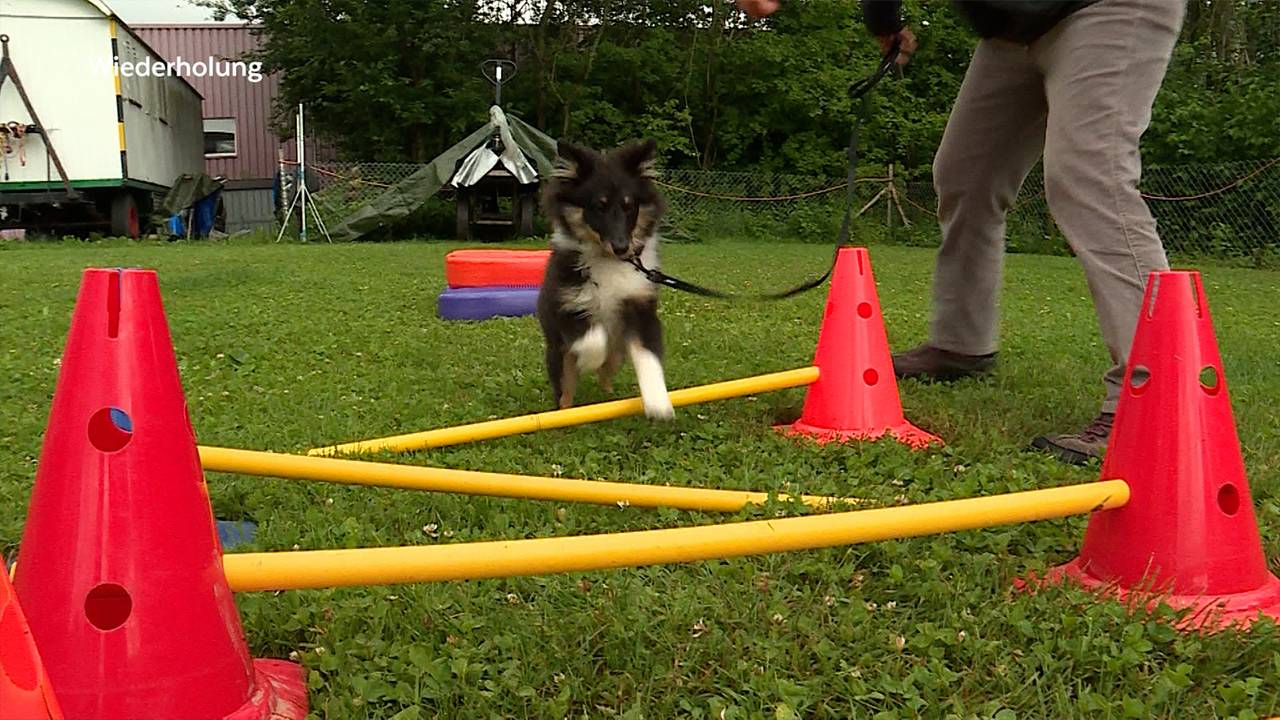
(930,363)
(1079,448)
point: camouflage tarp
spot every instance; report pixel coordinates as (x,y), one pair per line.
(524,144)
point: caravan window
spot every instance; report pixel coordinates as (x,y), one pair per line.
(220,137)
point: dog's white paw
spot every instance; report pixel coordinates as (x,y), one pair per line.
(659,408)
(591,349)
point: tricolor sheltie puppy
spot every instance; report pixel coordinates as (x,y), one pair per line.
(595,305)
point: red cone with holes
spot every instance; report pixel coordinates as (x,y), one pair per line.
(1188,532)
(25,692)
(856,394)
(120,569)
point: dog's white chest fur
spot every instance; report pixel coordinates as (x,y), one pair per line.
(611,282)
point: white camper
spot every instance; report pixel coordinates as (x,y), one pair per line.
(105,125)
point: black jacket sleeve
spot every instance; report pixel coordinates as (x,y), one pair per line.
(883,17)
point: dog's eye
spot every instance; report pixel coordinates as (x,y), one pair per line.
(628,205)
(602,203)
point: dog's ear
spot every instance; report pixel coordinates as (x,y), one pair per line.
(640,157)
(573,162)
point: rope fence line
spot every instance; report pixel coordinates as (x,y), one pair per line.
(916,205)
(1220,190)
(776,198)
(842,185)
(347,178)
(1227,210)
(1039,195)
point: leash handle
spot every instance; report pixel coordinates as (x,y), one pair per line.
(863,86)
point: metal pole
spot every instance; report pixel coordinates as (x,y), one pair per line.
(509,558)
(302,171)
(469,482)
(572,416)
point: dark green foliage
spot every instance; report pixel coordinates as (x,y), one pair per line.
(399,79)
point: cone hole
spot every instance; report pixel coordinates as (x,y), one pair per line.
(1155,290)
(870,376)
(108,606)
(1209,380)
(864,310)
(1139,380)
(110,429)
(16,662)
(1229,499)
(113,304)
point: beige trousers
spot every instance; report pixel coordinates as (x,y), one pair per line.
(1081,97)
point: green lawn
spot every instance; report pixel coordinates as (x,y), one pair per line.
(287,347)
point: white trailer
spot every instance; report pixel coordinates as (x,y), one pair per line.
(105,125)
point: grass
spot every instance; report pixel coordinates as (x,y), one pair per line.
(287,347)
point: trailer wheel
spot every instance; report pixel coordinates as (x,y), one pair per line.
(526,205)
(462,225)
(126,221)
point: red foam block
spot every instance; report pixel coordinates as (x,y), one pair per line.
(489,268)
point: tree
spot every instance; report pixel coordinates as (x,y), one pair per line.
(399,80)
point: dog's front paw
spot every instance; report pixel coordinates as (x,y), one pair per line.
(659,408)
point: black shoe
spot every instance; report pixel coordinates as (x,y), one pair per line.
(930,363)
(1079,448)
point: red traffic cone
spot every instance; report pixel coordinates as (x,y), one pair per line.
(1188,532)
(856,394)
(25,693)
(120,569)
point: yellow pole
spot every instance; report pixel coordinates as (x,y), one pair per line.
(469,482)
(507,558)
(572,416)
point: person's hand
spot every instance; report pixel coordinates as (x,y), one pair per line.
(759,8)
(906,38)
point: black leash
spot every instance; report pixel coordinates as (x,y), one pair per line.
(858,90)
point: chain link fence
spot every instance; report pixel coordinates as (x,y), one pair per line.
(340,188)
(1227,211)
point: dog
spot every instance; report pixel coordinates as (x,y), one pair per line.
(595,305)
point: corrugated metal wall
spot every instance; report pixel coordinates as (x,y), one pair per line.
(234,97)
(248,209)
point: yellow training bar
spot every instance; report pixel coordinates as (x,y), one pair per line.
(468,482)
(571,416)
(508,558)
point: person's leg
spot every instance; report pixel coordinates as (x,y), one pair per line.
(994,136)
(1103,67)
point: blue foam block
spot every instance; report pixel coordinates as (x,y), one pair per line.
(482,303)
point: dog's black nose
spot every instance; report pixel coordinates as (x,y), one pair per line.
(622,249)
